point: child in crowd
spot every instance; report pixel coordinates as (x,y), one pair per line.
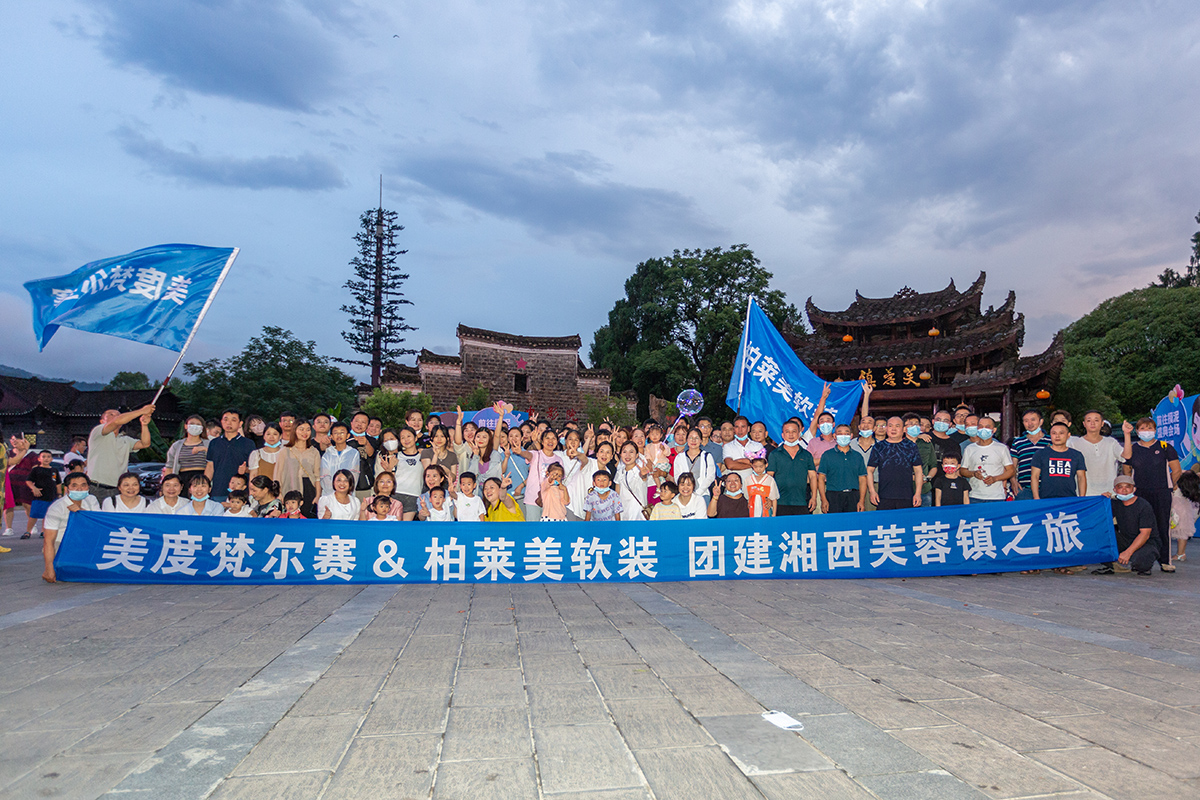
(949,489)
(602,504)
(292,501)
(438,510)
(1185,503)
(666,508)
(469,508)
(240,483)
(45,485)
(554,496)
(381,507)
(238,504)
(761,489)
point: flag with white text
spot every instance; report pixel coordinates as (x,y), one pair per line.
(772,384)
(153,296)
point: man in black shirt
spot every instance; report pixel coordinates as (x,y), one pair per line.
(899,464)
(1136,530)
(1151,460)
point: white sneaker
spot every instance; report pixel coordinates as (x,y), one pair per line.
(8,532)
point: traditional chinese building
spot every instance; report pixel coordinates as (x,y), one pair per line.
(54,412)
(534,373)
(926,351)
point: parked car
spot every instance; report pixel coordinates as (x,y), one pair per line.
(149,476)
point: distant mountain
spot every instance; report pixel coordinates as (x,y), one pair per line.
(17,372)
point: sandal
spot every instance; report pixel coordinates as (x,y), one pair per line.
(1062,570)
(1030,571)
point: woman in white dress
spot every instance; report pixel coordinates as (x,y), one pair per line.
(631,483)
(698,462)
(170,502)
(342,504)
(128,499)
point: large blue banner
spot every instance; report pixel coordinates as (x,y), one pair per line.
(1177,419)
(153,296)
(773,384)
(955,540)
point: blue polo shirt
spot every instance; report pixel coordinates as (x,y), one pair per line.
(226,455)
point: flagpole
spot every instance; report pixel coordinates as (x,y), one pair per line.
(199,319)
(742,353)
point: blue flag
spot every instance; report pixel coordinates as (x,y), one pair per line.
(773,384)
(154,296)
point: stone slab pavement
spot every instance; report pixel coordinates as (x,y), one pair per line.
(1010,686)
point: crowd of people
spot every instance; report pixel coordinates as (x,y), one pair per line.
(355,469)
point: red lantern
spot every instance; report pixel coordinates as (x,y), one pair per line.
(1043,394)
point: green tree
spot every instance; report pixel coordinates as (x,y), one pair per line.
(276,372)
(1170,279)
(1082,387)
(475,400)
(129,382)
(1143,343)
(391,407)
(598,409)
(376,327)
(680,322)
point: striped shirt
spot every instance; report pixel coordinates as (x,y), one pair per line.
(1023,450)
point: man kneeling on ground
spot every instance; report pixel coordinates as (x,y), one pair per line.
(1136,537)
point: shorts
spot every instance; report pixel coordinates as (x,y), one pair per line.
(38,509)
(408,501)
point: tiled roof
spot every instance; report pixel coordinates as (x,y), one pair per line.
(998,329)
(1019,370)
(904,306)
(24,395)
(512,340)
(430,357)
(400,373)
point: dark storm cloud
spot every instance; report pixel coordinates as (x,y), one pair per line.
(561,196)
(1016,114)
(268,52)
(305,172)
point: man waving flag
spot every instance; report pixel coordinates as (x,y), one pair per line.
(155,296)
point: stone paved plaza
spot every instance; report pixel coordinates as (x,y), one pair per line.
(992,686)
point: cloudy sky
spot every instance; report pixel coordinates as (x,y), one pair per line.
(537,151)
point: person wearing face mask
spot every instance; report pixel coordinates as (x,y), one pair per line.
(1023,448)
(187,457)
(201,503)
(263,461)
(862,445)
(795,474)
(1137,531)
(730,503)
(824,440)
(366,445)
(943,445)
(987,463)
(913,432)
(1156,470)
(77,498)
(733,454)
(897,463)
(959,433)
(842,476)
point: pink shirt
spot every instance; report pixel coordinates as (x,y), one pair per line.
(818,447)
(538,463)
(552,503)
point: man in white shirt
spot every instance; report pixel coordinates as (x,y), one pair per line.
(1102,455)
(77,498)
(339,456)
(734,451)
(108,448)
(987,463)
(76,453)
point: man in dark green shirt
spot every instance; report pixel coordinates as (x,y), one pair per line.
(843,476)
(795,474)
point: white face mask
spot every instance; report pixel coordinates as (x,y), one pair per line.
(195,430)
(391,445)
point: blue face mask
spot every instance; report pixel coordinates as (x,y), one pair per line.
(738,493)
(1147,436)
(77,494)
(867,433)
(941,427)
(961,428)
(985,433)
(825,428)
(1034,432)
(273,446)
(602,490)
(913,430)
(843,440)
(741,438)
(199,498)
(1124,498)
(971,430)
